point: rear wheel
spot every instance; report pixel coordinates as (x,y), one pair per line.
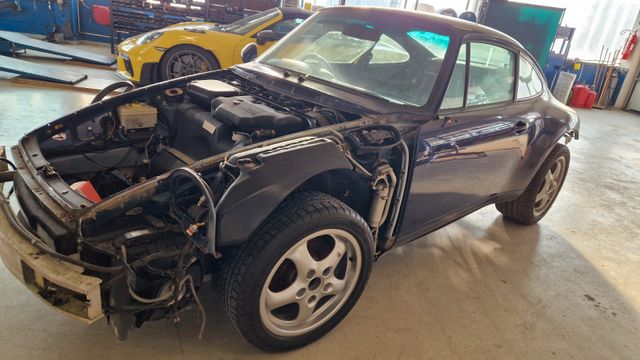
(301,274)
(536,200)
(186,60)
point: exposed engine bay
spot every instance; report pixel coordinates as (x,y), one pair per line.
(146,138)
(153,248)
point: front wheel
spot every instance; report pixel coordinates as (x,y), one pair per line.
(186,60)
(301,274)
(543,190)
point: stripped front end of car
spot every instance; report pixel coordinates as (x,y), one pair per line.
(62,284)
(127,206)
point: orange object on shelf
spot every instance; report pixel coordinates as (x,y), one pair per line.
(86,189)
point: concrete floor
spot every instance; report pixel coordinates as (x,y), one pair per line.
(481,288)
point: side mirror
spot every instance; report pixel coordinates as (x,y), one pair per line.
(249,52)
(266,36)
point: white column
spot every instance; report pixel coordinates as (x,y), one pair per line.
(633,66)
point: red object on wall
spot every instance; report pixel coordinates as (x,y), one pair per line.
(591,99)
(86,189)
(101,14)
(629,46)
(580,93)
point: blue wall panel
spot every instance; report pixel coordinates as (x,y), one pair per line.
(38,17)
(44,17)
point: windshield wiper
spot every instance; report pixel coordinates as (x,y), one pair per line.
(361,108)
(302,77)
(289,73)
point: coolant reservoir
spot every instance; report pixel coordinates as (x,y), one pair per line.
(137,116)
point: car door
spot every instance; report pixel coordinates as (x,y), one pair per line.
(464,158)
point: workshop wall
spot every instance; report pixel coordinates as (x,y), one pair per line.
(38,17)
(54,17)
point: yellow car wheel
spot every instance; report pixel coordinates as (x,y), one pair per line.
(186,60)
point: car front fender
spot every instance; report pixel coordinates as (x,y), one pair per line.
(268,175)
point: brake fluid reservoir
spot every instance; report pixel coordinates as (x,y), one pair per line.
(137,116)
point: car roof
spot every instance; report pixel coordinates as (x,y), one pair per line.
(462,27)
(295,13)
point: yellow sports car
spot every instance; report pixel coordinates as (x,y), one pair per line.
(193,47)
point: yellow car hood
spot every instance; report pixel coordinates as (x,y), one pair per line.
(180,29)
(191,25)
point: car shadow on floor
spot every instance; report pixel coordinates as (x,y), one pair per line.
(482,287)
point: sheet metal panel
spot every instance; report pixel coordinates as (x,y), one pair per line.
(61,50)
(39,71)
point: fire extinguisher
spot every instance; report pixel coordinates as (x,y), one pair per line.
(629,46)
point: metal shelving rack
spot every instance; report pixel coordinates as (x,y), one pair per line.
(133,17)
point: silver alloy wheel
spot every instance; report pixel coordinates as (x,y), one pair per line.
(186,62)
(550,186)
(310,282)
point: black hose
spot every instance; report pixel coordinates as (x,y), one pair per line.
(7,176)
(111,88)
(7,161)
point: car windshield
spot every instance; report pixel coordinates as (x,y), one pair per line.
(394,61)
(249,23)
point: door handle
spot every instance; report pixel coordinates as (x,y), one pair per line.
(521,127)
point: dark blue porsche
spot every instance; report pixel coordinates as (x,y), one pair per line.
(285,177)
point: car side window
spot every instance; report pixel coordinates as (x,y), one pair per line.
(529,82)
(454,97)
(491,74)
(284,27)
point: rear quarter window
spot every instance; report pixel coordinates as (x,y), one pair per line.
(529,82)
(491,74)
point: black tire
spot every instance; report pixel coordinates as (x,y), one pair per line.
(298,217)
(523,209)
(181,50)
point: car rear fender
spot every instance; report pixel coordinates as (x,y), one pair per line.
(565,128)
(267,176)
(561,124)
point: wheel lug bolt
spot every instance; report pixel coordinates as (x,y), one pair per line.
(311,274)
(301,292)
(326,272)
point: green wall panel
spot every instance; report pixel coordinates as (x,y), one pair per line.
(533,26)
